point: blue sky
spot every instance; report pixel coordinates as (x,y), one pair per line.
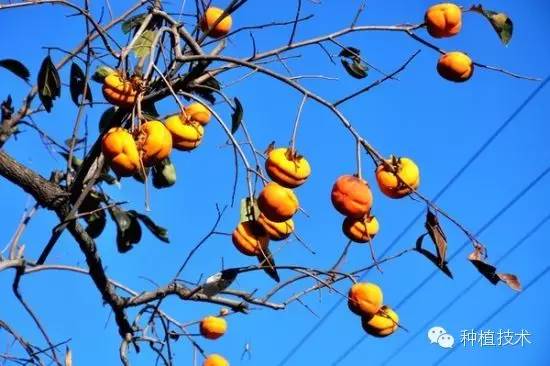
(437,123)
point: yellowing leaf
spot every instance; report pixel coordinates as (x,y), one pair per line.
(249,210)
(68,357)
(49,83)
(143,44)
(502,24)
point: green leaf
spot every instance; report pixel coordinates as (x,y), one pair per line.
(7,107)
(237,116)
(249,210)
(149,111)
(207,94)
(350,52)
(164,174)
(267,262)
(75,162)
(143,44)
(501,23)
(132,23)
(158,231)
(128,228)
(106,119)
(141,176)
(355,68)
(109,179)
(503,26)
(78,86)
(16,67)
(97,220)
(213,83)
(49,83)
(352,62)
(96,223)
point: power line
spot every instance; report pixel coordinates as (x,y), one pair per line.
(505,208)
(498,310)
(448,185)
(450,304)
(347,352)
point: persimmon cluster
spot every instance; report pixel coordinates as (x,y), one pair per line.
(442,21)
(366,300)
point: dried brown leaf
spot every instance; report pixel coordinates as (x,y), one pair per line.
(511,280)
(437,235)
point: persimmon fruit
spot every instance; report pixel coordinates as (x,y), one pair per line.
(154,142)
(120,150)
(382,324)
(119,91)
(215,360)
(443,20)
(212,327)
(197,112)
(351,196)
(360,230)
(455,66)
(388,181)
(287,168)
(186,135)
(250,238)
(277,203)
(365,299)
(210,18)
(276,230)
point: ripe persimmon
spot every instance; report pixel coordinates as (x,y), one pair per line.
(212,327)
(186,135)
(276,230)
(120,150)
(119,91)
(390,184)
(455,66)
(210,18)
(351,196)
(287,168)
(197,112)
(250,238)
(365,299)
(360,230)
(443,20)
(382,324)
(154,142)
(215,360)
(277,203)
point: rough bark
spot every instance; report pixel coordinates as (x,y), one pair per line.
(52,197)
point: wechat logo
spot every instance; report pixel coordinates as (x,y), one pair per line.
(440,336)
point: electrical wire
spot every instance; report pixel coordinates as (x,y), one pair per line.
(421,213)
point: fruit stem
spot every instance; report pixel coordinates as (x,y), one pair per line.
(146,185)
(373,255)
(296,123)
(169,86)
(358,159)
